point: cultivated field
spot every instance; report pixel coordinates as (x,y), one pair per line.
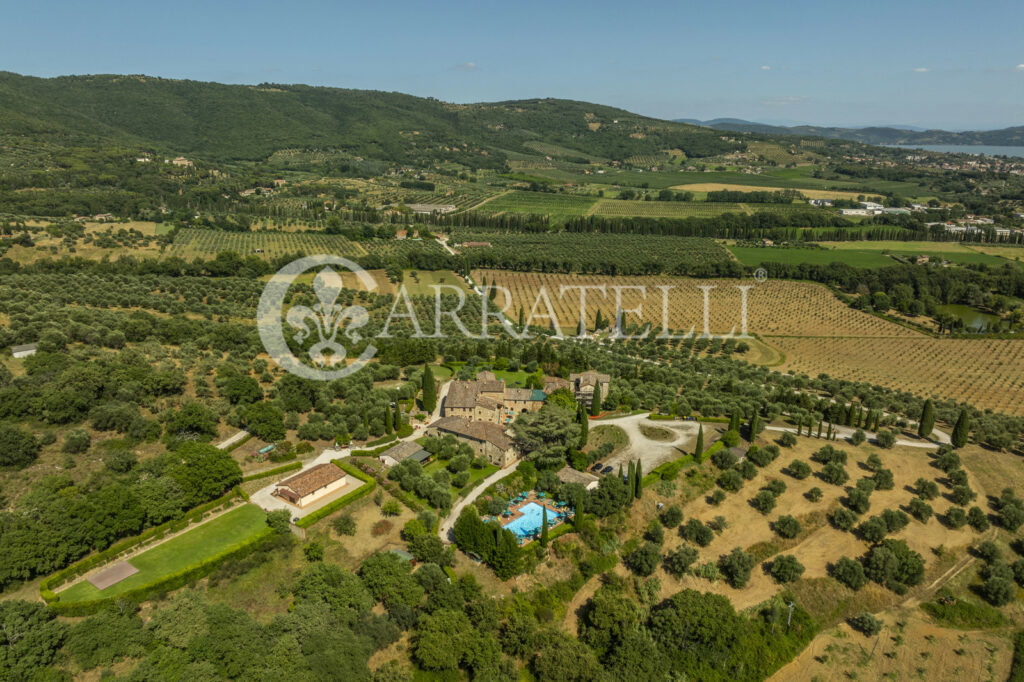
(540,203)
(809,193)
(192,243)
(757,255)
(773,307)
(987,373)
(615,208)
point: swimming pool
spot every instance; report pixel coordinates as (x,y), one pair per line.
(531,520)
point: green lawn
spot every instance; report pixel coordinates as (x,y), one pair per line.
(474,475)
(420,283)
(187,549)
(951,251)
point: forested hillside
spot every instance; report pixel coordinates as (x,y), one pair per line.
(242,122)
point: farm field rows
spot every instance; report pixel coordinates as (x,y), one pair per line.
(189,548)
(809,193)
(194,243)
(593,252)
(956,252)
(773,307)
(665,209)
(987,373)
(540,203)
(755,255)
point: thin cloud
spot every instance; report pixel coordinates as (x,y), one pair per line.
(766,68)
(922,69)
(1019,67)
(466,66)
(783,100)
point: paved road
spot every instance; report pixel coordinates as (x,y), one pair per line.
(224,445)
(445,526)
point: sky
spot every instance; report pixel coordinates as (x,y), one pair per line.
(936,64)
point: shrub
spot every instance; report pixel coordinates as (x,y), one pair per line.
(834,473)
(828,454)
(761,458)
(977,519)
(644,559)
(894,519)
(724,459)
(843,519)
(381,528)
(925,489)
(344,525)
(799,469)
(717,497)
(763,502)
(849,572)
(858,500)
(998,591)
(776,487)
(671,516)
(988,552)
(736,567)
(893,564)
(730,480)
(885,438)
(814,494)
(955,518)
(695,531)
(874,462)
(872,530)
(865,624)
(858,437)
(786,569)
(731,438)
(678,563)
(747,470)
(787,439)
(76,441)
(961,495)
(883,479)
(787,526)
(920,510)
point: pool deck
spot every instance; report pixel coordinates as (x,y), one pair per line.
(556,516)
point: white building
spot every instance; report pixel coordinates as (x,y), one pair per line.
(24,350)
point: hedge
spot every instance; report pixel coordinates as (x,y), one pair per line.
(118,548)
(272,472)
(183,577)
(363,491)
(1017,663)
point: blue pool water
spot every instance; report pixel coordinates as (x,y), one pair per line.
(531,520)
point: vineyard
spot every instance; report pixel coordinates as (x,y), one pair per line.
(987,373)
(665,209)
(775,307)
(192,243)
(809,193)
(602,253)
(540,203)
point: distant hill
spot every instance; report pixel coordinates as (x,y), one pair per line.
(872,134)
(242,122)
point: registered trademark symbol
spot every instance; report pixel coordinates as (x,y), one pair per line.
(760,275)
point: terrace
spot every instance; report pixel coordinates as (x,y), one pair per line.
(525,515)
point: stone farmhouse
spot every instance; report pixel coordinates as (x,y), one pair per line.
(584,384)
(311,485)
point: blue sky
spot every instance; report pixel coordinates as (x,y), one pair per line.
(935,64)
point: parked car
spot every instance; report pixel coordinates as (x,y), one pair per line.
(606,470)
(596,467)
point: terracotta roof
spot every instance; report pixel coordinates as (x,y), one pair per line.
(490,386)
(552,384)
(461,394)
(481,431)
(313,479)
(486,376)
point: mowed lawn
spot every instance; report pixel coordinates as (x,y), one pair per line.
(954,252)
(754,255)
(185,550)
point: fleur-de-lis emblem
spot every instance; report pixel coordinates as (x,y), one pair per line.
(327,318)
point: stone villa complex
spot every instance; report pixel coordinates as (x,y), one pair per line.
(479,412)
(311,485)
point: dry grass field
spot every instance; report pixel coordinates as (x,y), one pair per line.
(819,544)
(809,193)
(987,373)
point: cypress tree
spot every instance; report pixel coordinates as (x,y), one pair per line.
(544,528)
(389,425)
(520,318)
(620,469)
(700,442)
(631,480)
(734,422)
(595,404)
(398,415)
(639,491)
(581,415)
(819,428)
(755,425)
(429,389)
(961,430)
(927,423)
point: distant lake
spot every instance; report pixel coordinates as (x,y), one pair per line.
(986,149)
(972,318)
